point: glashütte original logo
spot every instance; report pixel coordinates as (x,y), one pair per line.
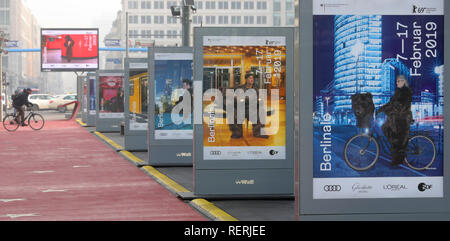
(423,187)
(361,188)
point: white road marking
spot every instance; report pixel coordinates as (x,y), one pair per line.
(11,200)
(41,172)
(20,215)
(53,190)
(82,166)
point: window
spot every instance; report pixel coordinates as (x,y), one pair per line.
(223,5)
(223,19)
(210,5)
(261,5)
(198,4)
(235,19)
(210,19)
(276,21)
(4,17)
(248,20)
(158,19)
(277,6)
(159,4)
(4,4)
(133,4)
(235,5)
(261,19)
(133,19)
(249,5)
(197,19)
(145,4)
(171,3)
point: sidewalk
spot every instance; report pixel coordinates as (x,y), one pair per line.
(63,172)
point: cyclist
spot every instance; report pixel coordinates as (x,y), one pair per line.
(18,102)
(399,118)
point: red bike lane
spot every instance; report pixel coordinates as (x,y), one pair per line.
(63,172)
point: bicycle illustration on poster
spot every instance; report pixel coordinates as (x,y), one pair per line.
(366,56)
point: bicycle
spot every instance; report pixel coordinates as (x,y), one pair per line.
(35,121)
(362,151)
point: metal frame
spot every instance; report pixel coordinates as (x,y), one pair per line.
(106,124)
(217,178)
(164,152)
(135,140)
(91,113)
(353,209)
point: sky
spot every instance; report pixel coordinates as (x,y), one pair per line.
(76,14)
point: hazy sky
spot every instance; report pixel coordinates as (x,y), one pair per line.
(76,13)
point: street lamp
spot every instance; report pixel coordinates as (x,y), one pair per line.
(184,12)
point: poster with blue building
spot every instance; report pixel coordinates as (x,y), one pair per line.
(173,78)
(370,141)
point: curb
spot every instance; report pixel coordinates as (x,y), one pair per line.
(132,158)
(202,205)
(116,146)
(211,210)
(80,122)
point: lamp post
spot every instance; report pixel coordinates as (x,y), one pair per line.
(3,39)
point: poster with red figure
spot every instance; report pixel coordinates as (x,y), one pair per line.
(69,49)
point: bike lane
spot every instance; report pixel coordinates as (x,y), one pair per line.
(63,172)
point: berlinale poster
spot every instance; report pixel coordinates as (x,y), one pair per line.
(378,99)
(138,97)
(244,102)
(173,82)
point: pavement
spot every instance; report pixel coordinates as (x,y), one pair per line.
(180,179)
(64,172)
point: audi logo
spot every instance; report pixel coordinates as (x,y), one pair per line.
(332,188)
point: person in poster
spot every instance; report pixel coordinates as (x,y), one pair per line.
(236,128)
(69,46)
(398,121)
(393,56)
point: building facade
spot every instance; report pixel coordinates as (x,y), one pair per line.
(151,21)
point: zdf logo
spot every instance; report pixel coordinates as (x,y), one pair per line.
(423,187)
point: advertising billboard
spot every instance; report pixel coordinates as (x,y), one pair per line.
(138,103)
(378,99)
(69,49)
(249,74)
(173,82)
(91,94)
(111,96)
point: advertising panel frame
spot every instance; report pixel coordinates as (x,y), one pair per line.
(91,107)
(84,100)
(110,124)
(135,140)
(266,178)
(72,69)
(165,152)
(387,208)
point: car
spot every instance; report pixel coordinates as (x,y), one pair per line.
(58,102)
(40,101)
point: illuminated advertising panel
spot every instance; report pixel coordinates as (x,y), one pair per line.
(69,49)
(138,103)
(378,99)
(111,96)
